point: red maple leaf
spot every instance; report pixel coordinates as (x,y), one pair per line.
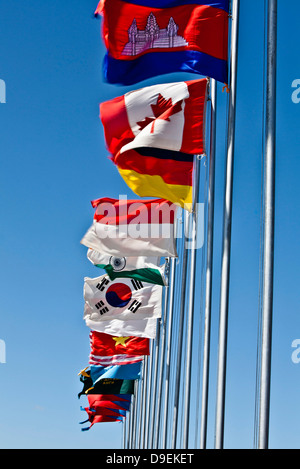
(163,109)
(145,122)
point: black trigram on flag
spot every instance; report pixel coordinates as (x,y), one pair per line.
(137,285)
(134,306)
(101,285)
(101,307)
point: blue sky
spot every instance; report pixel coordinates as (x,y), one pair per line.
(54,162)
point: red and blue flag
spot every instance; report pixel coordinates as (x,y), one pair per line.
(143,41)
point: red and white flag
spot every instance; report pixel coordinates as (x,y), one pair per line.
(114,360)
(132,228)
(120,327)
(153,134)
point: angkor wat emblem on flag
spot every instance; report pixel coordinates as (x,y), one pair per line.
(152,37)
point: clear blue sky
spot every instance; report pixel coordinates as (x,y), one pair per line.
(54,162)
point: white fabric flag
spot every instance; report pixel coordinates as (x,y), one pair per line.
(147,269)
(132,227)
(122,298)
(119,327)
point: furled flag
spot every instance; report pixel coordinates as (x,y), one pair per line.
(146,269)
(132,227)
(119,327)
(97,417)
(153,134)
(105,344)
(98,402)
(109,397)
(122,298)
(131,371)
(108,409)
(145,38)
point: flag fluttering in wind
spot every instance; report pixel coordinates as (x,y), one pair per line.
(119,398)
(145,269)
(108,345)
(119,327)
(146,39)
(102,415)
(153,134)
(96,401)
(121,359)
(122,298)
(132,228)
(131,372)
(107,350)
(105,386)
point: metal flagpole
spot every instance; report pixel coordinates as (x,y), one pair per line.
(133,414)
(269,212)
(143,404)
(124,434)
(227,217)
(190,318)
(162,367)
(129,423)
(168,351)
(154,391)
(180,332)
(209,265)
(149,384)
(136,406)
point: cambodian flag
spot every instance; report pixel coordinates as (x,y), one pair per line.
(143,40)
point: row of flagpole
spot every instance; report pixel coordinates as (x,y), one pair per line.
(149,400)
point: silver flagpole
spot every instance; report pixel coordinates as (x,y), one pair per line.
(136,406)
(124,434)
(154,387)
(190,318)
(168,351)
(143,403)
(132,419)
(180,332)
(269,213)
(162,368)
(149,384)
(209,266)
(227,217)
(129,423)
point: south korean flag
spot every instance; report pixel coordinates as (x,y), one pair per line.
(122,298)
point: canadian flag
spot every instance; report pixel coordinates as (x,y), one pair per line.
(153,133)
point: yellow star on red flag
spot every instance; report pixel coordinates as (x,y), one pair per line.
(120,340)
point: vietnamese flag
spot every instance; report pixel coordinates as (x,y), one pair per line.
(108,345)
